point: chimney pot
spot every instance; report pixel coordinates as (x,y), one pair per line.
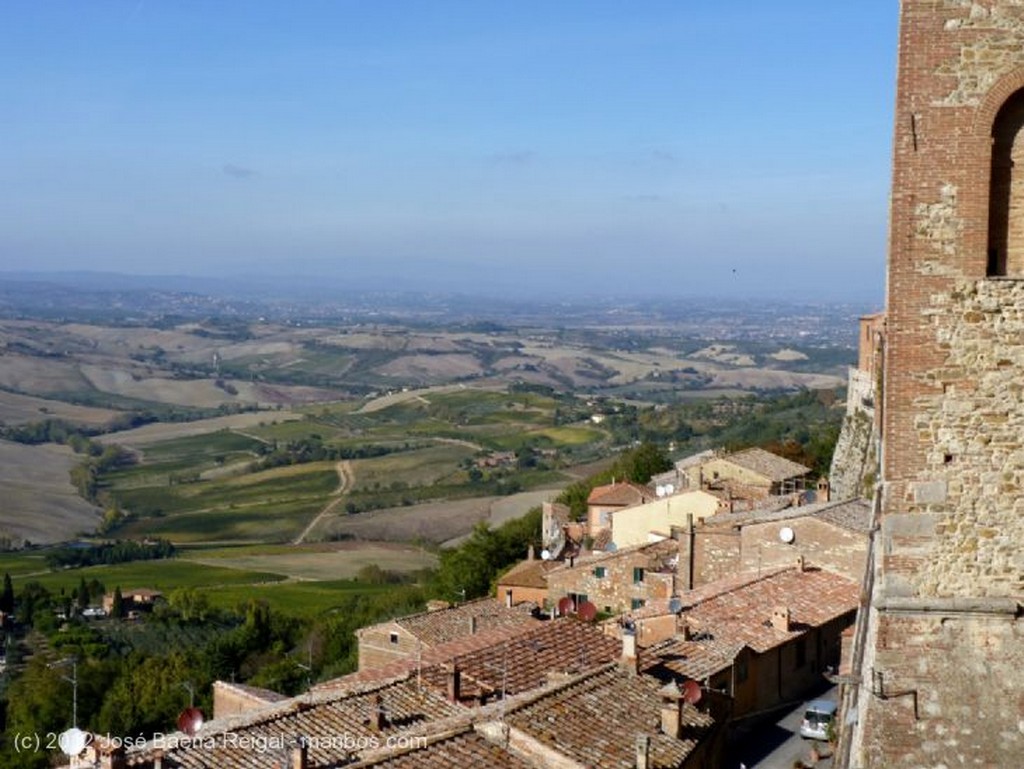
(643,751)
(801,564)
(472,625)
(629,660)
(454,683)
(300,754)
(529,553)
(671,711)
(780,619)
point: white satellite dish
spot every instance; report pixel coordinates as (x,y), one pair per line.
(545,555)
(660,491)
(73,741)
(787,535)
(670,489)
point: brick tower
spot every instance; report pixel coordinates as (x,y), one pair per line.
(941,682)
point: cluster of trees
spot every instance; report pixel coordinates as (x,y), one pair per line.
(133,677)
(313,449)
(121,551)
(85,475)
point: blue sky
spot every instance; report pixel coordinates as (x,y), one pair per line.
(678,147)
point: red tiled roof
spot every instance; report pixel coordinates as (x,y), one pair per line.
(688,658)
(596,720)
(464,748)
(738,610)
(769,465)
(529,573)
(621,494)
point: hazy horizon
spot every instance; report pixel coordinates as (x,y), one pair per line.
(535,150)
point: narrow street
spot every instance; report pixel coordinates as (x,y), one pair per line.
(776,744)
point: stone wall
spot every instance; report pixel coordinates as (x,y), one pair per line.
(614,590)
(945,631)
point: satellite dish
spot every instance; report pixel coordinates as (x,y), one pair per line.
(587,611)
(611,547)
(565,605)
(670,489)
(545,555)
(660,491)
(190,721)
(675,605)
(692,692)
(787,535)
(73,741)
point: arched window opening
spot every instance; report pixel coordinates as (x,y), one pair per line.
(1006,191)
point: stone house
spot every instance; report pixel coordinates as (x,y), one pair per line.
(406,638)
(769,636)
(832,535)
(526,582)
(756,469)
(617,582)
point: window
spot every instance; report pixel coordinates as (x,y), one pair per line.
(1006,191)
(638,575)
(637,603)
(394,637)
(600,572)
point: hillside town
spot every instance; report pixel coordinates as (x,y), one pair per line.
(642,635)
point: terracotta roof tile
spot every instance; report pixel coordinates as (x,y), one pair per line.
(465,748)
(528,574)
(595,721)
(738,610)
(767,464)
(249,741)
(621,494)
(689,658)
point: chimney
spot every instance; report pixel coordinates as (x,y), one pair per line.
(824,490)
(643,751)
(801,564)
(529,553)
(377,713)
(780,618)
(671,710)
(454,683)
(158,760)
(472,625)
(300,754)
(508,598)
(628,661)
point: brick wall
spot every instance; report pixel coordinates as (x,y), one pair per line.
(953,419)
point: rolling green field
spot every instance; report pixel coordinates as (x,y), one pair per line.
(164,575)
(421,447)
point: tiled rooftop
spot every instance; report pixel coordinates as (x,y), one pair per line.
(737,610)
(767,464)
(663,554)
(528,574)
(596,720)
(689,658)
(464,748)
(853,514)
(622,494)
(563,645)
(249,741)
(433,628)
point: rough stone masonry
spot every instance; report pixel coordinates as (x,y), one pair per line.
(941,683)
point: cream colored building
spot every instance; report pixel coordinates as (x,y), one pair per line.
(653,521)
